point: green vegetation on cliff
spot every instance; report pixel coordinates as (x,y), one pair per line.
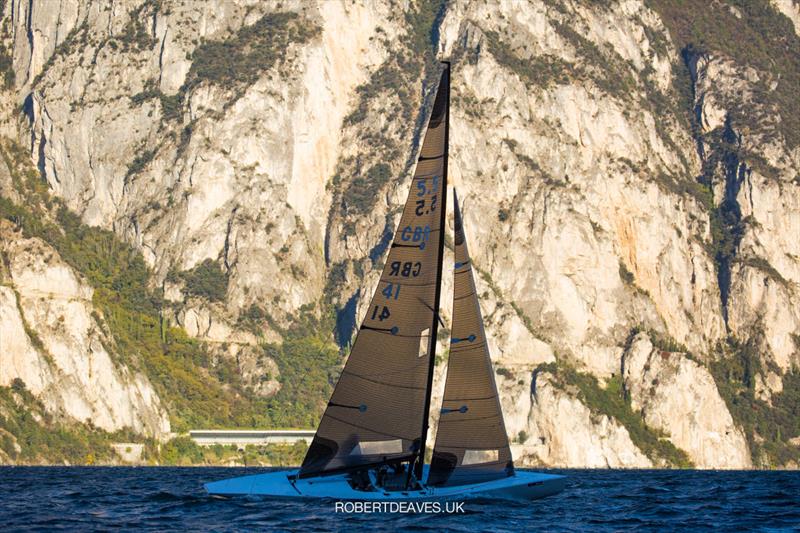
(393,82)
(611,402)
(752,33)
(235,62)
(769,426)
(206,280)
(253,49)
(363,189)
(7,76)
(199,390)
(536,71)
(30,435)
(309,367)
(183,451)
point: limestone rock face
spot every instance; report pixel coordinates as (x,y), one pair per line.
(679,397)
(591,205)
(52,340)
(219,181)
(571,175)
(792,11)
(562,431)
(757,187)
(257,370)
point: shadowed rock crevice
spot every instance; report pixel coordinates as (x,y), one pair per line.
(727,225)
(722,169)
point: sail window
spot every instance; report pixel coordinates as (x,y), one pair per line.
(378,447)
(424,341)
(474,457)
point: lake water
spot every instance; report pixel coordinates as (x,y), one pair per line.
(164,499)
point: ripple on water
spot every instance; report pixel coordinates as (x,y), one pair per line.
(162,499)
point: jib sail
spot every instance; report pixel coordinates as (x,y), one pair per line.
(471,441)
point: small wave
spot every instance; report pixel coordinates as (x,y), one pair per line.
(166,496)
(173,499)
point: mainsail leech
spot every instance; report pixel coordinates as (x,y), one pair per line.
(471,441)
(379,404)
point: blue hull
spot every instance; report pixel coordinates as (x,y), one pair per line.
(520,486)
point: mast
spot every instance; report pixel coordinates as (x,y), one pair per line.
(420,459)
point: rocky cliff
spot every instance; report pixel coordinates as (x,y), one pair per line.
(52,341)
(629,175)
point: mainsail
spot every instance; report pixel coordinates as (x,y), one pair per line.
(378,411)
(471,442)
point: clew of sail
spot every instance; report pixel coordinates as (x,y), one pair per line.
(471,441)
(375,414)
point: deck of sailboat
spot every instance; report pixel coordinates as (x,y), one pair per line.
(522,485)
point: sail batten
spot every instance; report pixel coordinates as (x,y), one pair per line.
(379,404)
(471,441)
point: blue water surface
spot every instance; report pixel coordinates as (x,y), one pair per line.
(172,499)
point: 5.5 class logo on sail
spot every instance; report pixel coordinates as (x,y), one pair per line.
(371,441)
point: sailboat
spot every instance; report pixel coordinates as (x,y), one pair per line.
(371,441)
